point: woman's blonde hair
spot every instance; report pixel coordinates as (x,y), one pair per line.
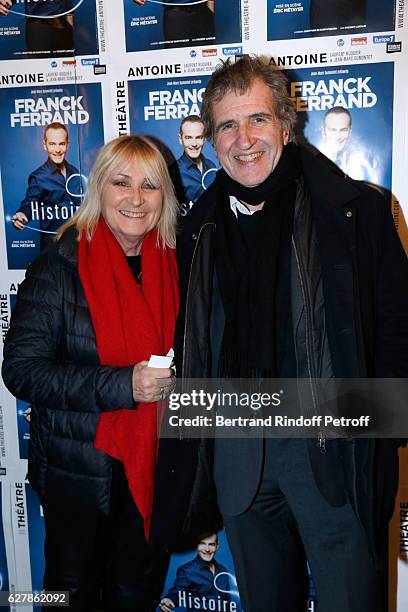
(111,158)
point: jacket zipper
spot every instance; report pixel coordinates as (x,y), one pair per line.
(321,440)
(187,303)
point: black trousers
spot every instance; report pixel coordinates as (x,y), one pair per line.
(331,13)
(290,521)
(43,40)
(188,23)
(103,561)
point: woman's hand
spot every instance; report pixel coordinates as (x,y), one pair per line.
(151,384)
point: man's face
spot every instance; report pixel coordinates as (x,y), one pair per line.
(192,139)
(337,130)
(207,548)
(56,144)
(249,138)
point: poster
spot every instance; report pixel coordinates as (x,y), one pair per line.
(35,29)
(216,591)
(44,169)
(308,18)
(212,591)
(157,108)
(347,113)
(156,24)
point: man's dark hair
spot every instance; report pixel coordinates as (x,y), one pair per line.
(55,126)
(206,534)
(338,110)
(238,77)
(190,119)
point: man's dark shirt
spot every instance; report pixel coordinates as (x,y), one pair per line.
(47,186)
(46,9)
(187,178)
(196,578)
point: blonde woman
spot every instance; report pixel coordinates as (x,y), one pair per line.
(93,308)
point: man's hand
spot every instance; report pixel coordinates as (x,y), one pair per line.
(19,220)
(151,384)
(211,5)
(141,2)
(166,605)
(5,5)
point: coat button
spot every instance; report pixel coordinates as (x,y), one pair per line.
(349,214)
(194,237)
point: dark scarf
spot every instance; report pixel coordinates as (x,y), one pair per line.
(131,322)
(254,270)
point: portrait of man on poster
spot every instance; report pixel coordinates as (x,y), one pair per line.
(202,577)
(350,154)
(47,199)
(192,173)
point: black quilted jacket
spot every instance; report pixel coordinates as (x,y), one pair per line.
(51,361)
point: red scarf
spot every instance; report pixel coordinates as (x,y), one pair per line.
(131,322)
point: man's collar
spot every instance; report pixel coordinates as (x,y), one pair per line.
(188,161)
(204,565)
(55,168)
(239,207)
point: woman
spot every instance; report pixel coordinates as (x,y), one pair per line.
(92,309)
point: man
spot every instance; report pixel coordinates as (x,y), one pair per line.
(186,22)
(203,578)
(289,270)
(48,27)
(47,198)
(192,173)
(356,161)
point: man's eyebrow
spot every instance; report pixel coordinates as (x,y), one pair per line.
(261,114)
(221,125)
(253,116)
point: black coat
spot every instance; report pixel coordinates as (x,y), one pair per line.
(51,361)
(365,285)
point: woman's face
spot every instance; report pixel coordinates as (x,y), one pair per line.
(131,206)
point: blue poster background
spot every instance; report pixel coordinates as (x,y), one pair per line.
(296,23)
(369,147)
(156,109)
(25,153)
(36,535)
(146,33)
(12,31)
(23,427)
